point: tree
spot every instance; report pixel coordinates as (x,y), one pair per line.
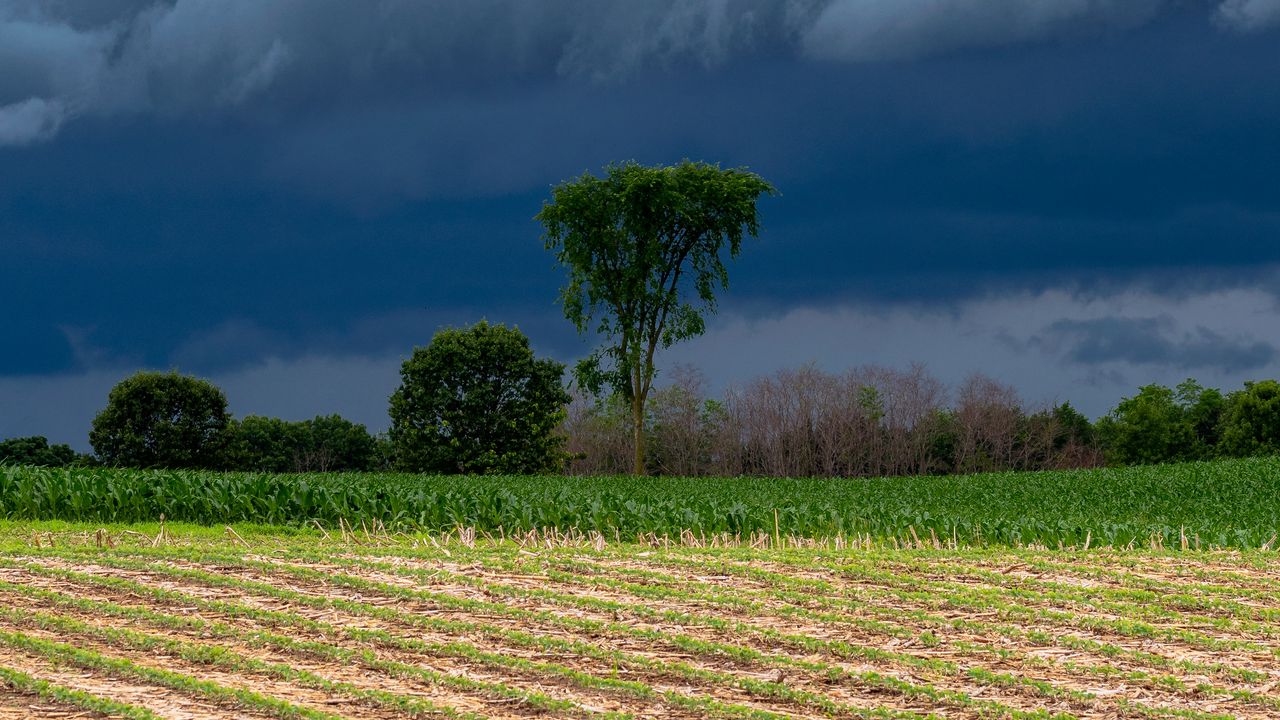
(1072,427)
(323,444)
(641,246)
(1160,425)
(334,444)
(261,444)
(36,450)
(162,420)
(1251,421)
(477,401)
(1202,411)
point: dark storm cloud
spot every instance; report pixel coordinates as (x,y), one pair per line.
(66,59)
(1155,341)
(227,186)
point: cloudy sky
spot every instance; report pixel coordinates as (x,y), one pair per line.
(1077,197)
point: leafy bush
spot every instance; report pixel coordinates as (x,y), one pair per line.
(1251,422)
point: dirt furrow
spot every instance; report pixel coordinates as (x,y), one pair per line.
(290,691)
(659,681)
(1018,696)
(553,686)
(870,595)
(955,630)
(162,701)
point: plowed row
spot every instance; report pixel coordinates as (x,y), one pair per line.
(386,629)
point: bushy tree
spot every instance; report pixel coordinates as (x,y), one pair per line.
(384,453)
(684,426)
(331,443)
(597,433)
(476,400)
(1161,424)
(1071,427)
(645,248)
(1202,409)
(261,444)
(36,450)
(1251,420)
(162,420)
(323,444)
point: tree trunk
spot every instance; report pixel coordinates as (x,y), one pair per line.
(637,428)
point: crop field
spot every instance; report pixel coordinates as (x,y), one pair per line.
(1222,504)
(186,622)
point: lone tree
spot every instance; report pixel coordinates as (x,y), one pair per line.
(162,420)
(477,401)
(644,247)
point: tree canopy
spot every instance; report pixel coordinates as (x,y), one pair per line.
(322,444)
(645,250)
(36,450)
(162,420)
(476,400)
(1162,424)
(1251,420)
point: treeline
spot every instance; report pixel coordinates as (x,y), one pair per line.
(875,421)
(866,422)
(477,401)
(254,444)
(168,420)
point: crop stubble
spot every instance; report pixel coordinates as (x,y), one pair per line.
(497,630)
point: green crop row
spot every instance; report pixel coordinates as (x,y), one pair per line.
(1210,504)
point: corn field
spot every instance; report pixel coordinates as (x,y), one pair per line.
(1223,504)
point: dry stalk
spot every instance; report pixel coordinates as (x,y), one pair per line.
(321,529)
(231,533)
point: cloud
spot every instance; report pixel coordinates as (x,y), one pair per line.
(869,30)
(260,59)
(1157,341)
(1249,15)
(1092,352)
(230,344)
(30,121)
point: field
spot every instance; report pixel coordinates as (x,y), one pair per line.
(1228,504)
(250,622)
